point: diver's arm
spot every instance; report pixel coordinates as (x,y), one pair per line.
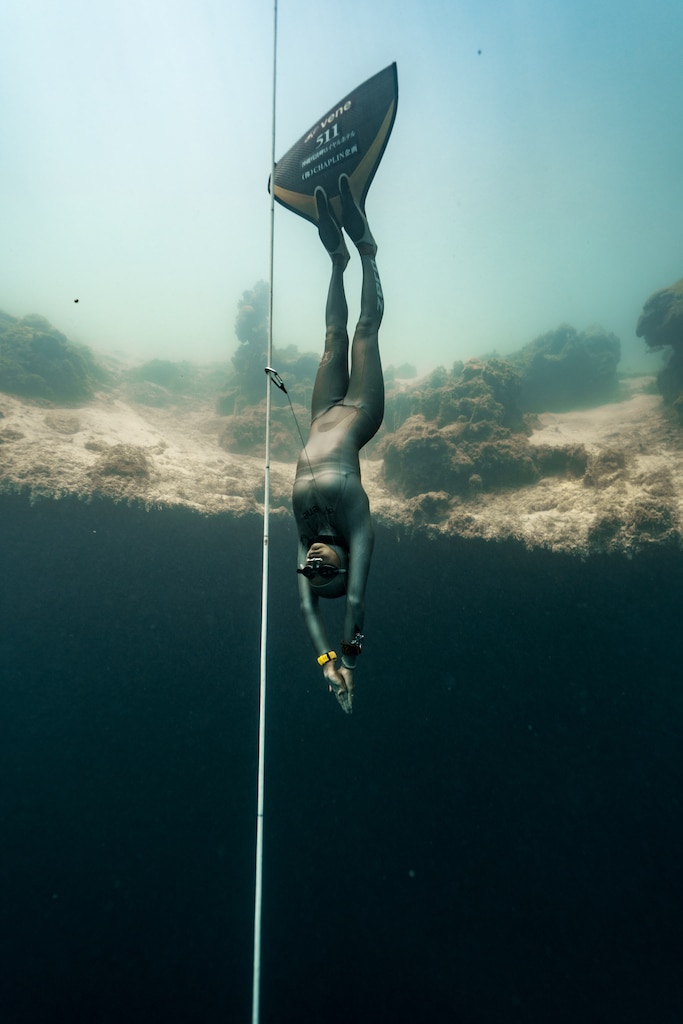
(360,555)
(315,624)
(310,609)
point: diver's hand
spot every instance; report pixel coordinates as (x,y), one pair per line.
(340,683)
(335,679)
(347,676)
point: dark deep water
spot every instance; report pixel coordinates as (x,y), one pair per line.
(494,836)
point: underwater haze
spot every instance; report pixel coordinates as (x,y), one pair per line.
(532,179)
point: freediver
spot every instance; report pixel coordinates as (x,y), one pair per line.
(330,506)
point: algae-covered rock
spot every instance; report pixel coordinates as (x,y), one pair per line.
(470,436)
(38,361)
(122,471)
(421,458)
(661,321)
(567,369)
(661,325)
(245,433)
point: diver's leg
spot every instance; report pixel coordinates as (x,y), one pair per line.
(332,379)
(366,384)
(329,230)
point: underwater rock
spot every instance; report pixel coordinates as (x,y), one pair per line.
(244,433)
(122,471)
(421,458)
(565,369)
(477,391)
(661,321)
(125,460)
(38,361)
(569,460)
(642,523)
(606,468)
(661,325)
(471,437)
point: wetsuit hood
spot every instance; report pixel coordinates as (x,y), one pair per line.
(336,585)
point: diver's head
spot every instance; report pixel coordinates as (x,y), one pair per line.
(325,569)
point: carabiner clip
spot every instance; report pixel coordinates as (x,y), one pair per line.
(276,378)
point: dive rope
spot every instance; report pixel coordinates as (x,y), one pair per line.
(258,886)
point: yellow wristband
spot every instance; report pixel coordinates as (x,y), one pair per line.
(324,658)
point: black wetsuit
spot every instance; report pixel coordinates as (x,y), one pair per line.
(347,409)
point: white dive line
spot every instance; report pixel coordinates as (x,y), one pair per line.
(258,887)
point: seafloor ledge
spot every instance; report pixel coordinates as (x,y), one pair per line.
(628,498)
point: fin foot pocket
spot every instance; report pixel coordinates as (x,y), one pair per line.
(354,219)
(328,229)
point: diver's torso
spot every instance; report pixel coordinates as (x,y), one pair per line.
(328,497)
(333,439)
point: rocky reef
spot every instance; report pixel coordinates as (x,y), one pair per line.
(605,479)
(463,452)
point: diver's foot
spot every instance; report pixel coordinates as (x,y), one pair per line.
(329,230)
(354,220)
